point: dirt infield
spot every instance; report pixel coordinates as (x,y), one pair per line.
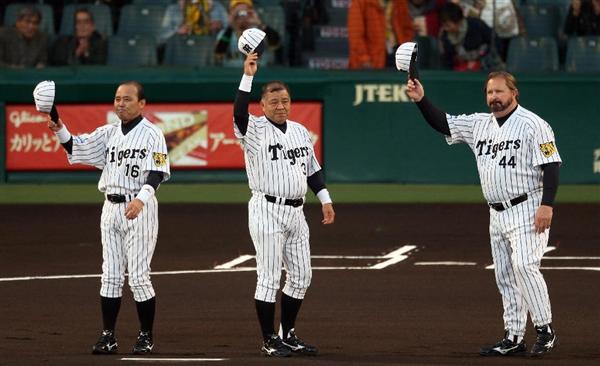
(408,313)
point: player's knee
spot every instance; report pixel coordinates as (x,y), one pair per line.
(141,287)
(142,292)
(112,281)
(266,293)
(299,282)
(523,266)
(306,279)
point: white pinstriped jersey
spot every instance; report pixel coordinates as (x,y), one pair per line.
(278,163)
(124,159)
(508,157)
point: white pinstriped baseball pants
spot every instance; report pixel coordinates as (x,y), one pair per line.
(128,245)
(517,251)
(281,237)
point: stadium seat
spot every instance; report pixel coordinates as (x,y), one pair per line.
(153,2)
(189,51)
(558,3)
(273,16)
(532,54)
(141,20)
(100,12)
(331,48)
(541,20)
(47,25)
(131,51)
(331,40)
(583,54)
(429,53)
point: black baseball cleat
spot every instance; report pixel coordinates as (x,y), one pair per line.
(545,342)
(274,347)
(505,347)
(107,343)
(297,345)
(144,344)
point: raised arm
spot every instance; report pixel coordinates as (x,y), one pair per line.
(57,126)
(242,98)
(434,116)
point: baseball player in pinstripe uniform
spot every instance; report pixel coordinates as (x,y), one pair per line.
(133,157)
(518,165)
(280,163)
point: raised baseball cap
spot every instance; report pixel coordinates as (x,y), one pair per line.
(252,40)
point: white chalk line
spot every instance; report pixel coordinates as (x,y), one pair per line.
(445,263)
(148,359)
(391,258)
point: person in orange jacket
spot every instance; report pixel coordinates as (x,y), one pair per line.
(375,29)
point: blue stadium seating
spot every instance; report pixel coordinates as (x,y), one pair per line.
(583,54)
(189,51)
(131,51)
(532,54)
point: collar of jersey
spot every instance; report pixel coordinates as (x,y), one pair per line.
(503,120)
(282,127)
(126,127)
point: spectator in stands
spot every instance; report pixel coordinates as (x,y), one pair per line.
(466,42)
(583,18)
(375,29)
(24,45)
(85,47)
(508,24)
(242,16)
(187,17)
(425,16)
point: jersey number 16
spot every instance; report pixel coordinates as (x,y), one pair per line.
(134,171)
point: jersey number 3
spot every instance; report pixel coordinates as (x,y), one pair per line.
(511,162)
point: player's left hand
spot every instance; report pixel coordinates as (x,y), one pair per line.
(328,214)
(415,90)
(54,126)
(133,209)
(543,218)
(250,64)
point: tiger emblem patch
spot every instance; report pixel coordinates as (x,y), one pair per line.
(548,149)
(159,159)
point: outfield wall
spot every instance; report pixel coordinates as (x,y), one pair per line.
(371,132)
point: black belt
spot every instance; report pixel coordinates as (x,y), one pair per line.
(501,206)
(288,202)
(118,198)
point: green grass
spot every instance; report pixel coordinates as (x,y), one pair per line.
(239,193)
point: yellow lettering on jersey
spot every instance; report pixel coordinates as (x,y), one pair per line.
(159,159)
(548,149)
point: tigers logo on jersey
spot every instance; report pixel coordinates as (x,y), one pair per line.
(548,149)
(159,159)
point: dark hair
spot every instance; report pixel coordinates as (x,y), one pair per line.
(510,80)
(138,86)
(82,10)
(273,86)
(29,11)
(451,12)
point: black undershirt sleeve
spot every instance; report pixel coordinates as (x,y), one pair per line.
(68,146)
(434,116)
(316,182)
(154,178)
(550,182)
(240,110)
